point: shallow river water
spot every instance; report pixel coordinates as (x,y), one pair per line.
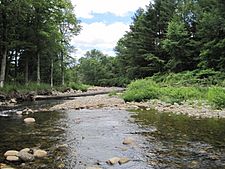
(78,139)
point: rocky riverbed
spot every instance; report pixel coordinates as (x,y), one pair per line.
(198,109)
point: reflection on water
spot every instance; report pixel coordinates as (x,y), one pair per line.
(179,141)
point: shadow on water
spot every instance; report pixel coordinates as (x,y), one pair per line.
(179,141)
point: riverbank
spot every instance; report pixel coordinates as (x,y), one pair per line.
(198,109)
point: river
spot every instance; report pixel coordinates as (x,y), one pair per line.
(77,139)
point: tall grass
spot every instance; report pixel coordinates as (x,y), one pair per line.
(9,88)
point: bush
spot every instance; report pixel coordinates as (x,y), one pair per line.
(78,86)
(141,90)
(216,96)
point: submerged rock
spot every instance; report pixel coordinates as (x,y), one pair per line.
(11,153)
(40,153)
(29,120)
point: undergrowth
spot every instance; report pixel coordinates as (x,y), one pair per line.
(179,87)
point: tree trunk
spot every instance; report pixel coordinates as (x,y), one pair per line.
(3,68)
(4,47)
(26,71)
(38,69)
(62,68)
(52,64)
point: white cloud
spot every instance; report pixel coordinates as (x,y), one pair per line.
(100,36)
(85,8)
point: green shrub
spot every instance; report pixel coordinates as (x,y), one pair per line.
(141,90)
(78,86)
(216,96)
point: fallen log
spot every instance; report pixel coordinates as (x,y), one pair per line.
(44,97)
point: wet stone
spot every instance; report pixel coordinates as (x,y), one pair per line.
(40,153)
(12,158)
(29,120)
(11,153)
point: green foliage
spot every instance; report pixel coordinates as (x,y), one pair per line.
(8,88)
(216,96)
(147,89)
(206,77)
(78,86)
(142,90)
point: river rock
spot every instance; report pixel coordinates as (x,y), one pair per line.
(128,140)
(13,101)
(11,153)
(19,112)
(29,120)
(12,158)
(40,153)
(25,156)
(123,160)
(113,160)
(30,111)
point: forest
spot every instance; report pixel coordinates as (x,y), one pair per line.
(169,37)
(35,40)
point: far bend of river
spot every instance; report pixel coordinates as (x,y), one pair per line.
(163,140)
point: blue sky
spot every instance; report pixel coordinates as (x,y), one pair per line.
(103,23)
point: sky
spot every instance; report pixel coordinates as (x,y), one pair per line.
(103,23)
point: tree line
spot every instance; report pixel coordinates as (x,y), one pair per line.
(167,36)
(34,40)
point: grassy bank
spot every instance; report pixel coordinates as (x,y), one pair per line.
(41,88)
(178,88)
